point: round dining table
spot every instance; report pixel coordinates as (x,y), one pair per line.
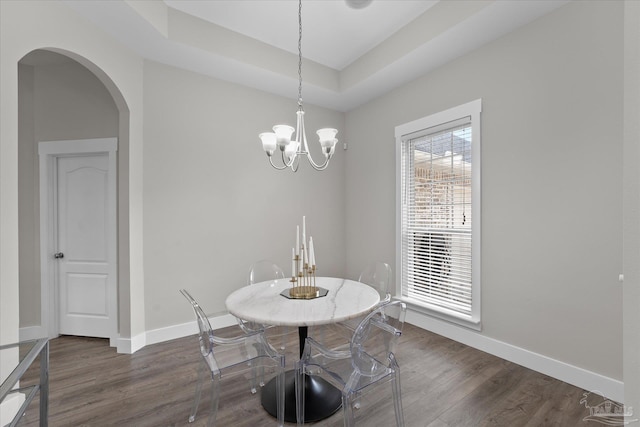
(267,303)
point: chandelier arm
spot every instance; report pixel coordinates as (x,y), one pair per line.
(295,164)
(308,154)
(315,165)
(276,167)
(302,134)
(288,164)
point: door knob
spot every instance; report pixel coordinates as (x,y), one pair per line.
(58,255)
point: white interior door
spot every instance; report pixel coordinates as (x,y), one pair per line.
(78,237)
(83,212)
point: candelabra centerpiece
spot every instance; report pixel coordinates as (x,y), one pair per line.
(303,267)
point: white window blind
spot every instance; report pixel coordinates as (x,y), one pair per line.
(436,218)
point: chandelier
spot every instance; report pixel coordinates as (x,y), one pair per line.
(292,150)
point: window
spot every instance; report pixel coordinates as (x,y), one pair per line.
(438,230)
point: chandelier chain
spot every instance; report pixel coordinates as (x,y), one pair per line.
(300,54)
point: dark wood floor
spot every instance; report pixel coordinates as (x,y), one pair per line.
(444,384)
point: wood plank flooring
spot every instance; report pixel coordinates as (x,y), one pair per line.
(444,384)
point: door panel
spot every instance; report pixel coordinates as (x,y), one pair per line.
(82,218)
(85,204)
(86,294)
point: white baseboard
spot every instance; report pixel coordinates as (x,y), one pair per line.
(587,380)
(124,345)
(32,333)
(131,345)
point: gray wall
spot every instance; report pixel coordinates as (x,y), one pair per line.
(631,222)
(59,99)
(551,180)
(213,204)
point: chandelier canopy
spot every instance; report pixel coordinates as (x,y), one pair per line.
(292,150)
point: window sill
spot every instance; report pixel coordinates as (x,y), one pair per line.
(442,314)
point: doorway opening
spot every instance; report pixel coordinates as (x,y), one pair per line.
(64,97)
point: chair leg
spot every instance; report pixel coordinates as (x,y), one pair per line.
(347,407)
(356,400)
(300,386)
(280,393)
(397,399)
(261,382)
(257,374)
(215,397)
(254,375)
(196,401)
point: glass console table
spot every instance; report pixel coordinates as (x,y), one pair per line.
(25,353)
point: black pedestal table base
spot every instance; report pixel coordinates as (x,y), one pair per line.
(321,398)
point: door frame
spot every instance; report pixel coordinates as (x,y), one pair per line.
(48,152)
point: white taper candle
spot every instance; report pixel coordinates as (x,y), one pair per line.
(306,254)
(293,262)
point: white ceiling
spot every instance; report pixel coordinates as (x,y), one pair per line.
(350,55)
(333,33)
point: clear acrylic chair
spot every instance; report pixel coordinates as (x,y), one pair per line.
(261,271)
(223,357)
(377,275)
(370,360)
(264,270)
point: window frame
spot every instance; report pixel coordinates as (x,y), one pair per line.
(429,125)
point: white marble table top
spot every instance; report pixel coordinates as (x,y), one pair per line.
(263,303)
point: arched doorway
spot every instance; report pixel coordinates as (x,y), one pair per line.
(63,96)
